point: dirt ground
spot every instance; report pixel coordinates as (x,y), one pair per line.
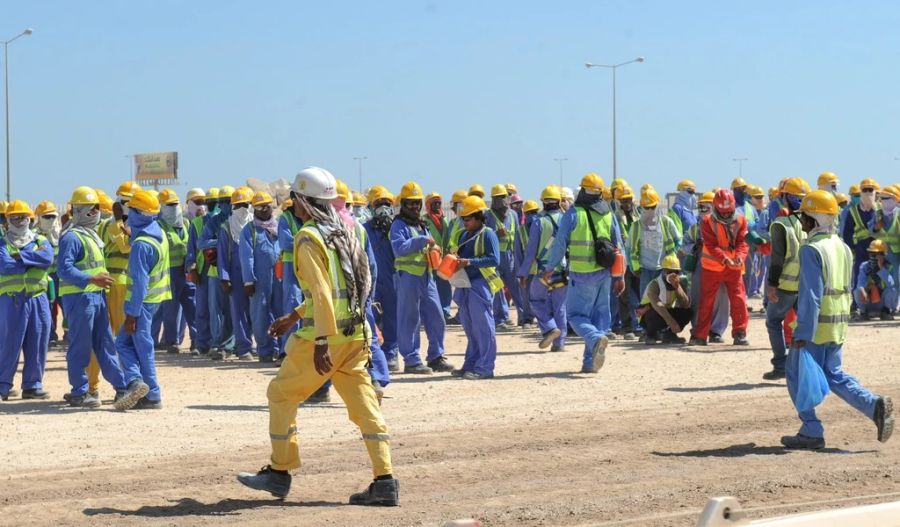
(645,442)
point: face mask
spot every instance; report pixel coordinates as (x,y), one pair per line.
(46,224)
(793,202)
(19,222)
(172,215)
(138,220)
(704,209)
(867,199)
(888,205)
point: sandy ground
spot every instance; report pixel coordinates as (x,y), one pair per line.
(645,442)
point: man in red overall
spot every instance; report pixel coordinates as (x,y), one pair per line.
(724,250)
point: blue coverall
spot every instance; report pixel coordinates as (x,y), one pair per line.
(507,268)
(217,301)
(259,251)
(229,259)
(379,369)
(201,306)
(385,294)
(548,305)
(291,296)
(520,254)
(475,303)
(861,247)
(888,289)
(180,312)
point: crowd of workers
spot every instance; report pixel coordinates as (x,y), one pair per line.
(333,286)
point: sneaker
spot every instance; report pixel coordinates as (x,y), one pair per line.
(35,393)
(383,492)
(147,404)
(802,442)
(322,395)
(440,364)
(774,375)
(549,337)
(557,348)
(458,373)
(83,401)
(420,369)
(217,354)
(696,341)
(598,354)
(884,418)
(393,364)
(245,356)
(715,338)
(472,376)
(172,349)
(887,315)
(740,339)
(135,391)
(629,336)
(277,484)
(452,321)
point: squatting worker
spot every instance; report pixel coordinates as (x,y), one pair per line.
(333,272)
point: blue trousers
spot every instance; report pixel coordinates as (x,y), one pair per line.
(476,315)
(775,314)
(291,296)
(507,272)
(587,308)
(888,299)
(844,385)
(386,296)
(379,369)
(445,292)
(180,311)
(25,327)
(415,295)
(240,318)
(204,336)
(264,308)
(156,326)
(219,315)
(550,309)
(526,301)
(89,331)
(137,355)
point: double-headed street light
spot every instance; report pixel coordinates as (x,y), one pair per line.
(740,162)
(614,67)
(6,43)
(560,160)
(360,159)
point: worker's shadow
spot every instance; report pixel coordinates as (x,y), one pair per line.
(192,507)
(751,449)
(740,387)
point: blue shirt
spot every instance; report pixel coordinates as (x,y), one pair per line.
(141,260)
(532,251)
(285,236)
(32,255)
(71,250)
(407,239)
(380,247)
(566,225)
(887,280)
(490,258)
(860,248)
(259,251)
(687,217)
(228,256)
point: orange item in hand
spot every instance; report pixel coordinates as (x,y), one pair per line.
(279,270)
(434,257)
(618,266)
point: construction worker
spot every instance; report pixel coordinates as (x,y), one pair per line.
(106,205)
(199,271)
(84,281)
(516,203)
(547,298)
(3,205)
(653,237)
(479,254)
(786,237)
(24,260)
(196,204)
(456,226)
(682,212)
(179,312)
(231,274)
(590,232)
(259,252)
(505,223)
(823,310)
(147,287)
(855,230)
(694,240)
(417,298)
(568,198)
(288,227)
(758,237)
(530,213)
(624,305)
(828,181)
(439,229)
(739,190)
(330,266)
(360,208)
(875,289)
(666,305)
(886,227)
(378,230)
(722,258)
(220,323)
(49,227)
(476,190)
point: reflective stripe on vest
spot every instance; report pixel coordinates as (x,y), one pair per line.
(32,282)
(91,264)
(507,240)
(891,235)
(670,298)
(581,245)
(177,244)
(545,243)
(634,243)
(834,306)
(158,289)
(794,238)
(413,263)
(860,229)
(441,236)
(495,283)
(116,260)
(294,227)
(707,260)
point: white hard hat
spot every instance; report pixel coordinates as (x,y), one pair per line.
(567,193)
(315,182)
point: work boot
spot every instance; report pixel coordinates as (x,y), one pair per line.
(774,375)
(697,341)
(135,391)
(865,315)
(598,354)
(472,376)
(195,352)
(440,364)
(245,356)
(201,351)
(276,483)
(217,354)
(612,335)
(506,325)
(35,393)
(173,348)
(651,340)
(557,348)
(394,364)
(420,369)
(629,335)
(715,338)
(383,492)
(322,395)
(379,391)
(886,314)
(83,401)
(548,338)
(884,418)
(668,337)
(855,316)
(267,360)
(452,321)
(802,442)
(147,404)
(740,339)
(458,373)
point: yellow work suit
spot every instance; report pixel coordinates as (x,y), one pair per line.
(297,378)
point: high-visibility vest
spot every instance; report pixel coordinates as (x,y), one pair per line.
(91,263)
(294,226)
(634,242)
(670,299)
(456,231)
(834,306)
(32,282)
(676,219)
(438,231)
(794,237)
(116,260)
(343,314)
(177,244)
(548,232)
(522,238)
(199,260)
(413,263)
(509,224)
(158,289)
(707,260)
(891,235)
(582,258)
(495,283)
(860,229)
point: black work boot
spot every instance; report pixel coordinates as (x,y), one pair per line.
(384,492)
(35,393)
(802,442)
(84,401)
(715,338)
(440,364)
(740,339)
(276,483)
(135,391)
(884,418)
(774,375)
(322,395)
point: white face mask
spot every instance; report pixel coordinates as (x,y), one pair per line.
(888,204)
(239,218)
(867,199)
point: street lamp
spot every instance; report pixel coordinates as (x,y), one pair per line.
(6,43)
(740,162)
(360,159)
(614,67)
(560,160)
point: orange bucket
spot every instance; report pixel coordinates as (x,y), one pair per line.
(434,257)
(874,295)
(618,266)
(448,267)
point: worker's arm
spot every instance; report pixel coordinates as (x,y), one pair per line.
(491,257)
(657,303)
(285,236)
(675,232)
(314,268)
(531,250)
(71,251)
(116,235)
(245,252)
(140,261)
(190,259)
(8,264)
(809,298)
(558,250)
(778,236)
(223,248)
(209,238)
(403,242)
(39,255)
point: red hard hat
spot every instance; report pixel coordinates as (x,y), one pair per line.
(724,201)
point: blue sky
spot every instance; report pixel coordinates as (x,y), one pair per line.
(451,93)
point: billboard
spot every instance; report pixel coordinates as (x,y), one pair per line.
(156,168)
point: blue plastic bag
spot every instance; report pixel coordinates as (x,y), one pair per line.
(812,386)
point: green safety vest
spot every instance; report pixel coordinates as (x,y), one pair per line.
(676,219)
(456,230)
(116,260)
(343,314)
(32,282)
(412,263)
(199,260)
(440,235)
(670,297)
(860,229)
(158,289)
(634,242)
(546,242)
(177,244)
(91,263)
(495,283)
(834,306)
(507,240)
(294,226)
(794,238)
(522,238)
(891,235)
(581,244)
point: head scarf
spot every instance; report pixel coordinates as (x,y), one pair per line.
(270,225)
(650,217)
(888,205)
(194,210)
(172,216)
(239,217)
(84,223)
(50,228)
(143,224)
(18,231)
(686,199)
(867,200)
(340,205)
(824,223)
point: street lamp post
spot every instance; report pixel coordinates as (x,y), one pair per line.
(740,162)
(360,159)
(6,43)
(560,160)
(614,67)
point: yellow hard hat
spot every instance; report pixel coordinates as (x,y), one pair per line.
(773,192)
(686,184)
(670,263)
(471,205)
(459,196)
(530,206)
(287,204)
(19,207)
(343,191)
(154,193)
(645,187)
(649,198)
(890,190)
(551,192)
(212,193)
(380,194)
(511,188)
(126,190)
(195,193)
(45,207)
(842,199)
(617,185)
(607,194)
(262,198)
(869,183)
(168,197)
(225,191)
(3,206)
(241,195)
(707,197)
(854,189)
(85,196)
(433,196)
(476,190)
(820,202)
(411,190)
(145,202)
(374,191)
(878,246)
(626,193)
(738,182)
(592,183)
(827,178)
(498,191)
(795,186)
(359,199)
(756,191)
(106,204)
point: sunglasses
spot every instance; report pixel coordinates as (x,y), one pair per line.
(48,217)
(868,190)
(467,219)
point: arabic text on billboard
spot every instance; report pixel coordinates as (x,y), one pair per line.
(158,166)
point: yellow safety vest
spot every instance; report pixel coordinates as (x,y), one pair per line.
(794,238)
(581,244)
(634,243)
(91,263)
(177,244)
(495,283)
(32,282)
(834,306)
(413,263)
(288,256)
(158,288)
